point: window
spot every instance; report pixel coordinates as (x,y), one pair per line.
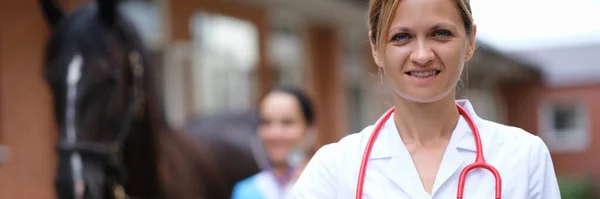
(225,57)
(146,17)
(288,57)
(365,92)
(565,126)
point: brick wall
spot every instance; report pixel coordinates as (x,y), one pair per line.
(523,105)
(26,121)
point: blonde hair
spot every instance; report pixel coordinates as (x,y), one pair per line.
(382,11)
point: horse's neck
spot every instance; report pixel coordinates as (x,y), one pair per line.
(140,161)
(166,164)
(187,168)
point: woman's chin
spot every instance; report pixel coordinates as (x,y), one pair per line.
(423,95)
(278,159)
(279,163)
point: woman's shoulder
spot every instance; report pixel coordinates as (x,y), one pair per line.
(246,188)
(348,144)
(328,168)
(347,150)
(508,133)
(513,140)
(516,149)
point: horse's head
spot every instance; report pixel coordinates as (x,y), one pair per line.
(94,68)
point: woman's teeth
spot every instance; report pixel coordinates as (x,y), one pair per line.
(424,74)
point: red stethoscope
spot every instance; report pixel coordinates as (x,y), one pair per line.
(479,161)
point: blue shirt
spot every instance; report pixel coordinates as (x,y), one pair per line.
(263,185)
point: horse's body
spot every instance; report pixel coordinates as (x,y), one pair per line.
(113,134)
(233,140)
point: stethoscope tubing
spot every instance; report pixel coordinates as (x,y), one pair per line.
(479,160)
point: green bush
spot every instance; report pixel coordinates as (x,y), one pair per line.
(577,188)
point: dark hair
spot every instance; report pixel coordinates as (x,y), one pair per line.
(306,104)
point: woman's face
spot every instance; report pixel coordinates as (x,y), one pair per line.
(425,49)
(282,125)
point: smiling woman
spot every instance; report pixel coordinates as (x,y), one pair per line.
(286,132)
(452,42)
(421,47)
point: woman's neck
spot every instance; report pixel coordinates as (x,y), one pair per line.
(425,124)
(281,173)
(280,170)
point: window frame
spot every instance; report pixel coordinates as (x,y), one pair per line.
(579,138)
(212,96)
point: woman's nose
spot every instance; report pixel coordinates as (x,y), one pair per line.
(422,53)
(275,129)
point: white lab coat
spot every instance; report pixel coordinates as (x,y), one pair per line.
(522,159)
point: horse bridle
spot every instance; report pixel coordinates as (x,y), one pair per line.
(112,154)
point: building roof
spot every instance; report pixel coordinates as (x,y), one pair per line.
(564,66)
(561,38)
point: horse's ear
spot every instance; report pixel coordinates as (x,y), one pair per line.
(52,12)
(108,11)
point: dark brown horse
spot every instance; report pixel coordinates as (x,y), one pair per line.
(114,140)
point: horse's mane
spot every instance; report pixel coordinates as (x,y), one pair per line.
(184,168)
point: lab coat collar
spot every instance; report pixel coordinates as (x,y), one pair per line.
(463,135)
(401,169)
(388,140)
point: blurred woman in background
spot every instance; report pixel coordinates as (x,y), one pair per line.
(286,133)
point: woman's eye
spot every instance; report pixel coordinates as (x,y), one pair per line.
(287,122)
(263,122)
(400,37)
(442,33)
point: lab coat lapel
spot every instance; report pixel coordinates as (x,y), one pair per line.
(461,149)
(401,169)
(452,161)
(397,163)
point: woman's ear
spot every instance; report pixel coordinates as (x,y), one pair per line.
(374,49)
(472,41)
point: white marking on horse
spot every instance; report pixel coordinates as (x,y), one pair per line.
(73,77)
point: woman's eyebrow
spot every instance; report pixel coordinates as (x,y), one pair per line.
(444,25)
(399,29)
(436,26)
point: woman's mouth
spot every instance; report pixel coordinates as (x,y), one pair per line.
(423,74)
